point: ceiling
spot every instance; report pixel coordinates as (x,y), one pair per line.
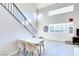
(42,5)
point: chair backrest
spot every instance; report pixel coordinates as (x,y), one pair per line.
(40,37)
(30,47)
(33,37)
(20,43)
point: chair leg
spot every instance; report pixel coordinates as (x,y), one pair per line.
(38,52)
(26,53)
(18,52)
(43,46)
(32,53)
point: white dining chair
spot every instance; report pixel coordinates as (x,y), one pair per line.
(42,43)
(21,47)
(31,48)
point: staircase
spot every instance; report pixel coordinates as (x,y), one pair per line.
(18,15)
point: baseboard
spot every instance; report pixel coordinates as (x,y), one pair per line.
(13,53)
(55,40)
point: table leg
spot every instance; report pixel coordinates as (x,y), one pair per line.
(40,50)
(42,44)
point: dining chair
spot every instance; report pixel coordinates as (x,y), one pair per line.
(21,47)
(42,43)
(31,48)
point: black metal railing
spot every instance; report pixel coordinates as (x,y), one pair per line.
(18,15)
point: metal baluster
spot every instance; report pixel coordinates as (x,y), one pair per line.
(11,7)
(8,6)
(14,11)
(18,15)
(24,22)
(5,4)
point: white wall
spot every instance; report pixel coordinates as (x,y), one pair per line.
(10,30)
(29,11)
(61,18)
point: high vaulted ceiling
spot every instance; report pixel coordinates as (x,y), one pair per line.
(42,5)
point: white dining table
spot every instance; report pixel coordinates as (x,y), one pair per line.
(35,41)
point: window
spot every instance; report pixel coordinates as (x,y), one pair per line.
(61,10)
(62,27)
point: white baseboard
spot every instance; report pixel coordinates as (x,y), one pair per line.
(55,40)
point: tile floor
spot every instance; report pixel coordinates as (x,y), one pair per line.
(55,48)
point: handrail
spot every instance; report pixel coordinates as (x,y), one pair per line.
(18,15)
(19,10)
